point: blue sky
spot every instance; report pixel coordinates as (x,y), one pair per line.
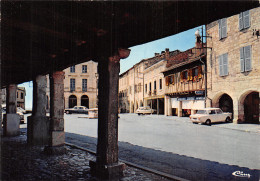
(181,41)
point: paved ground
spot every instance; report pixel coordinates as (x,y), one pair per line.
(22,162)
(176,146)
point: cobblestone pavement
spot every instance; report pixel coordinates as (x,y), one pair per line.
(22,162)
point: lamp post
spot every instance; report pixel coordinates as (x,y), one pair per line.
(96,75)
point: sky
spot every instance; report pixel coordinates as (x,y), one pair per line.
(181,41)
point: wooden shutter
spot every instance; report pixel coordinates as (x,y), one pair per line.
(220,59)
(199,72)
(220,29)
(172,79)
(190,74)
(247,55)
(167,80)
(246,18)
(242,60)
(224,27)
(181,74)
(241,22)
(225,64)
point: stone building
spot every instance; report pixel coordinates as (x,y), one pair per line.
(20,97)
(234,65)
(80,85)
(185,81)
(143,85)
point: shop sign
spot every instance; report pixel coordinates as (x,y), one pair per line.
(200,98)
(182,99)
(190,98)
(199,92)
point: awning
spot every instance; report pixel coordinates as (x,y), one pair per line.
(198,104)
(174,102)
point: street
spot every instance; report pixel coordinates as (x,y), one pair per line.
(175,145)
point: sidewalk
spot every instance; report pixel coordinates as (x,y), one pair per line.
(22,162)
(253,128)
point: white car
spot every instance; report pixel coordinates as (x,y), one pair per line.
(144,110)
(19,109)
(210,115)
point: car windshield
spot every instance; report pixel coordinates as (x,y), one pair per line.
(201,112)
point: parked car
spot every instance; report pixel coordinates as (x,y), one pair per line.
(77,109)
(19,109)
(210,115)
(144,110)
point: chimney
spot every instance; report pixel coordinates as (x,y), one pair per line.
(162,52)
(156,54)
(167,54)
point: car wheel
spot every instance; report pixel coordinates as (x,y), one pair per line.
(67,112)
(139,114)
(208,122)
(194,123)
(228,120)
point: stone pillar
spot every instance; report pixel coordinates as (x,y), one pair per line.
(180,109)
(38,123)
(107,165)
(11,120)
(169,107)
(237,117)
(56,134)
(166,98)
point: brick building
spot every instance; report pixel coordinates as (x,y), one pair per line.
(234,65)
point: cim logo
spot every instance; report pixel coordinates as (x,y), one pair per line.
(241,174)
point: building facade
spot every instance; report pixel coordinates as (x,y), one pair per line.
(185,82)
(143,85)
(80,85)
(20,97)
(234,65)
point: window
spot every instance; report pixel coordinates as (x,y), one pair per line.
(17,95)
(21,95)
(245,59)
(150,86)
(244,20)
(154,85)
(171,79)
(184,75)
(84,68)
(223,64)
(160,84)
(72,84)
(84,85)
(222,28)
(72,69)
(145,88)
(195,72)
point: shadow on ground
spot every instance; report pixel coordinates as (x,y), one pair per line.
(182,166)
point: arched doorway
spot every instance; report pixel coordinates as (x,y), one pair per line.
(85,101)
(72,101)
(251,108)
(226,104)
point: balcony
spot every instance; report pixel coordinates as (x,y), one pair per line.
(186,86)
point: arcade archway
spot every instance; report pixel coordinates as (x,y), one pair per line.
(72,101)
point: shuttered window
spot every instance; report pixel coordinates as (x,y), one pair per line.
(245,59)
(72,69)
(222,28)
(167,80)
(160,84)
(84,85)
(244,20)
(72,84)
(223,64)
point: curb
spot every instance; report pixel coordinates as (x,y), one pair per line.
(162,174)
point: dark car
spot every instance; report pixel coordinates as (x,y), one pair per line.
(77,109)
